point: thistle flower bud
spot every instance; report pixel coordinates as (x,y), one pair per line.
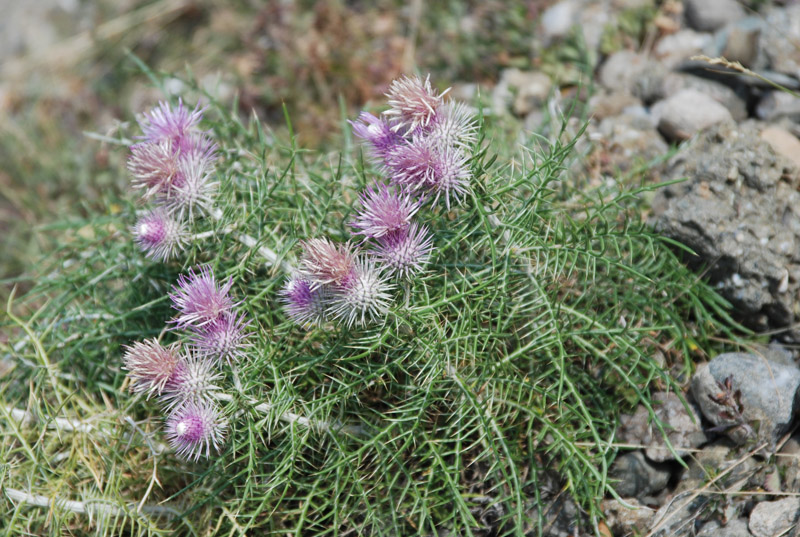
(383,210)
(194,428)
(150,365)
(378,133)
(405,251)
(305,304)
(224,338)
(193,186)
(154,167)
(167,123)
(454,125)
(413,102)
(160,235)
(428,167)
(324,262)
(192,380)
(363,296)
(200,299)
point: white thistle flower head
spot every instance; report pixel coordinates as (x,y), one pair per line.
(193,188)
(193,380)
(362,297)
(150,365)
(413,103)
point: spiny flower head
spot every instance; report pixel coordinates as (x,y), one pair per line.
(200,299)
(154,167)
(377,132)
(362,297)
(193,187)
(413,102)
(324,262)
(150,365)
(305,304)
(430,168)
(193,379)
(224,338)
(194,428)
(165,122)
(454,125)
(159,234)
(384,210)
(405,251)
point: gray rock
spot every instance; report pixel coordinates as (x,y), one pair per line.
(687,113)
(630,139)
(606,105)
(713,459)
(740,215)
(637,476)
(623,520)
(789,461)
(558,19)
(673,83)
(739,42)
(622,71)
(769,519)
(683,427)
(779,41)
(521,91)
(672,49)
(734,528)
(676,519)
(710,15)
(768,396)
(775,105)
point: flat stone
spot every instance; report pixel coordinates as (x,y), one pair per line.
(769,519)
(683,427)
(710,15)
(637,476)
(767,396)
(734,528)
(783,142)
(687,113)
(623,520)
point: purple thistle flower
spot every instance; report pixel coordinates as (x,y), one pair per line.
(377,132)
(154,167)
(383,210)
(200,299)
(224,338)
(413,102)
(166,123)
(193,186)
(425,166)
(405,251)
(361,297)
(198,145)
(305,304)
(160,235)
(192,380)
(324,262)
(194,428)
(150,365)
(454,125)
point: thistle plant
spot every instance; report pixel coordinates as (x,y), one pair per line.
(380,347)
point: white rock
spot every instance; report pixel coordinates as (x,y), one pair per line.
(769,519)
(688,112)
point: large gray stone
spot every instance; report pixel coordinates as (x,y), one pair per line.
(734,528)
(739,212)
(710,15)
(637,476)
(682,427)
(769,519)
(767,399)
(688,112)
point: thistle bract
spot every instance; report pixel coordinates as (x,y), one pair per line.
(305,304)
(362,297)
(150,365)
(413,103)
(325,262)
(194,428)
(384,210)
(159,234)
(224,338)
(405,251)
(193,380)
(165,122)
(200,299)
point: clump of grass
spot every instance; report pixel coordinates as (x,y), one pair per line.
(497,372)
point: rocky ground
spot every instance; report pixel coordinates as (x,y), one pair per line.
(738,209)
(732,464)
